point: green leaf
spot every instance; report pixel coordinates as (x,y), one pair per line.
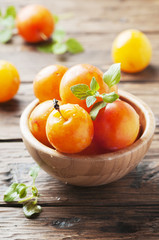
(112,76)
(11,193)
(35,191)
(94,85)
(56,18)
(96,108)
(90,100)
(47,48)
(58,35)
(59,48)
(80,91)
(73,46)
(5,35)
(90,93)
(11,11)
(30,209)
(21,190)
(9,22)
(34,172)
(0,13)
(110,97)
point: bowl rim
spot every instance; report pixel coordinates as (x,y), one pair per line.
(144,138)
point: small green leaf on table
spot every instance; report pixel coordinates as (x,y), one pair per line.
(56,18)
(59,48)
(47,48)
(11,193)
(21,190)
(58,35)
(31,208)
(5,35)
(7,23)
(10,11)
(34,172)
(73,46)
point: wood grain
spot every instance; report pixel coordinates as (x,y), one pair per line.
(138,187)
(82,222)
(100,27)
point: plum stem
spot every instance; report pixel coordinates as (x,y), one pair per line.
(57,107)
(43,36)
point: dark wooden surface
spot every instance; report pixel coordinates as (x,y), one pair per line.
(127,209)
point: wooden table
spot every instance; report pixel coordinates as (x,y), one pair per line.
(126,209)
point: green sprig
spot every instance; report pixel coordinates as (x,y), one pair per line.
(83,92)
(20,190)
(7,24)
(59,43)
(60,46)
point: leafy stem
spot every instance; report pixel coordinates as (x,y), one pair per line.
(90,94)
(7,24)
(58,45)
(20,190)
(26,199)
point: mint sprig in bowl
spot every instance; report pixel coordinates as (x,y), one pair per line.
(92,170)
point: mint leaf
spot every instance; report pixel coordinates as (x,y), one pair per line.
(80,91)
(58,35)
(90,93)
(5,35)
(112,76)
(56,18)
(8,22)
(30,209)
(90,100)
(34,172)
(34,191)
(11,193)
(73,46)
(110,97)
(94,85)
(96,108)
(30,206)
(59,48)
(47,48)
(21,190)
(11,11)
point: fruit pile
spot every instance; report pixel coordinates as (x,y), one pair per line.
(80,110)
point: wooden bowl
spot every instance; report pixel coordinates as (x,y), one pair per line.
(91,170)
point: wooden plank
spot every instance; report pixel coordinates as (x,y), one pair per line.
(92,17)
(10,111)
(138,187)
(95,31)
(92,55)
(82,222)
